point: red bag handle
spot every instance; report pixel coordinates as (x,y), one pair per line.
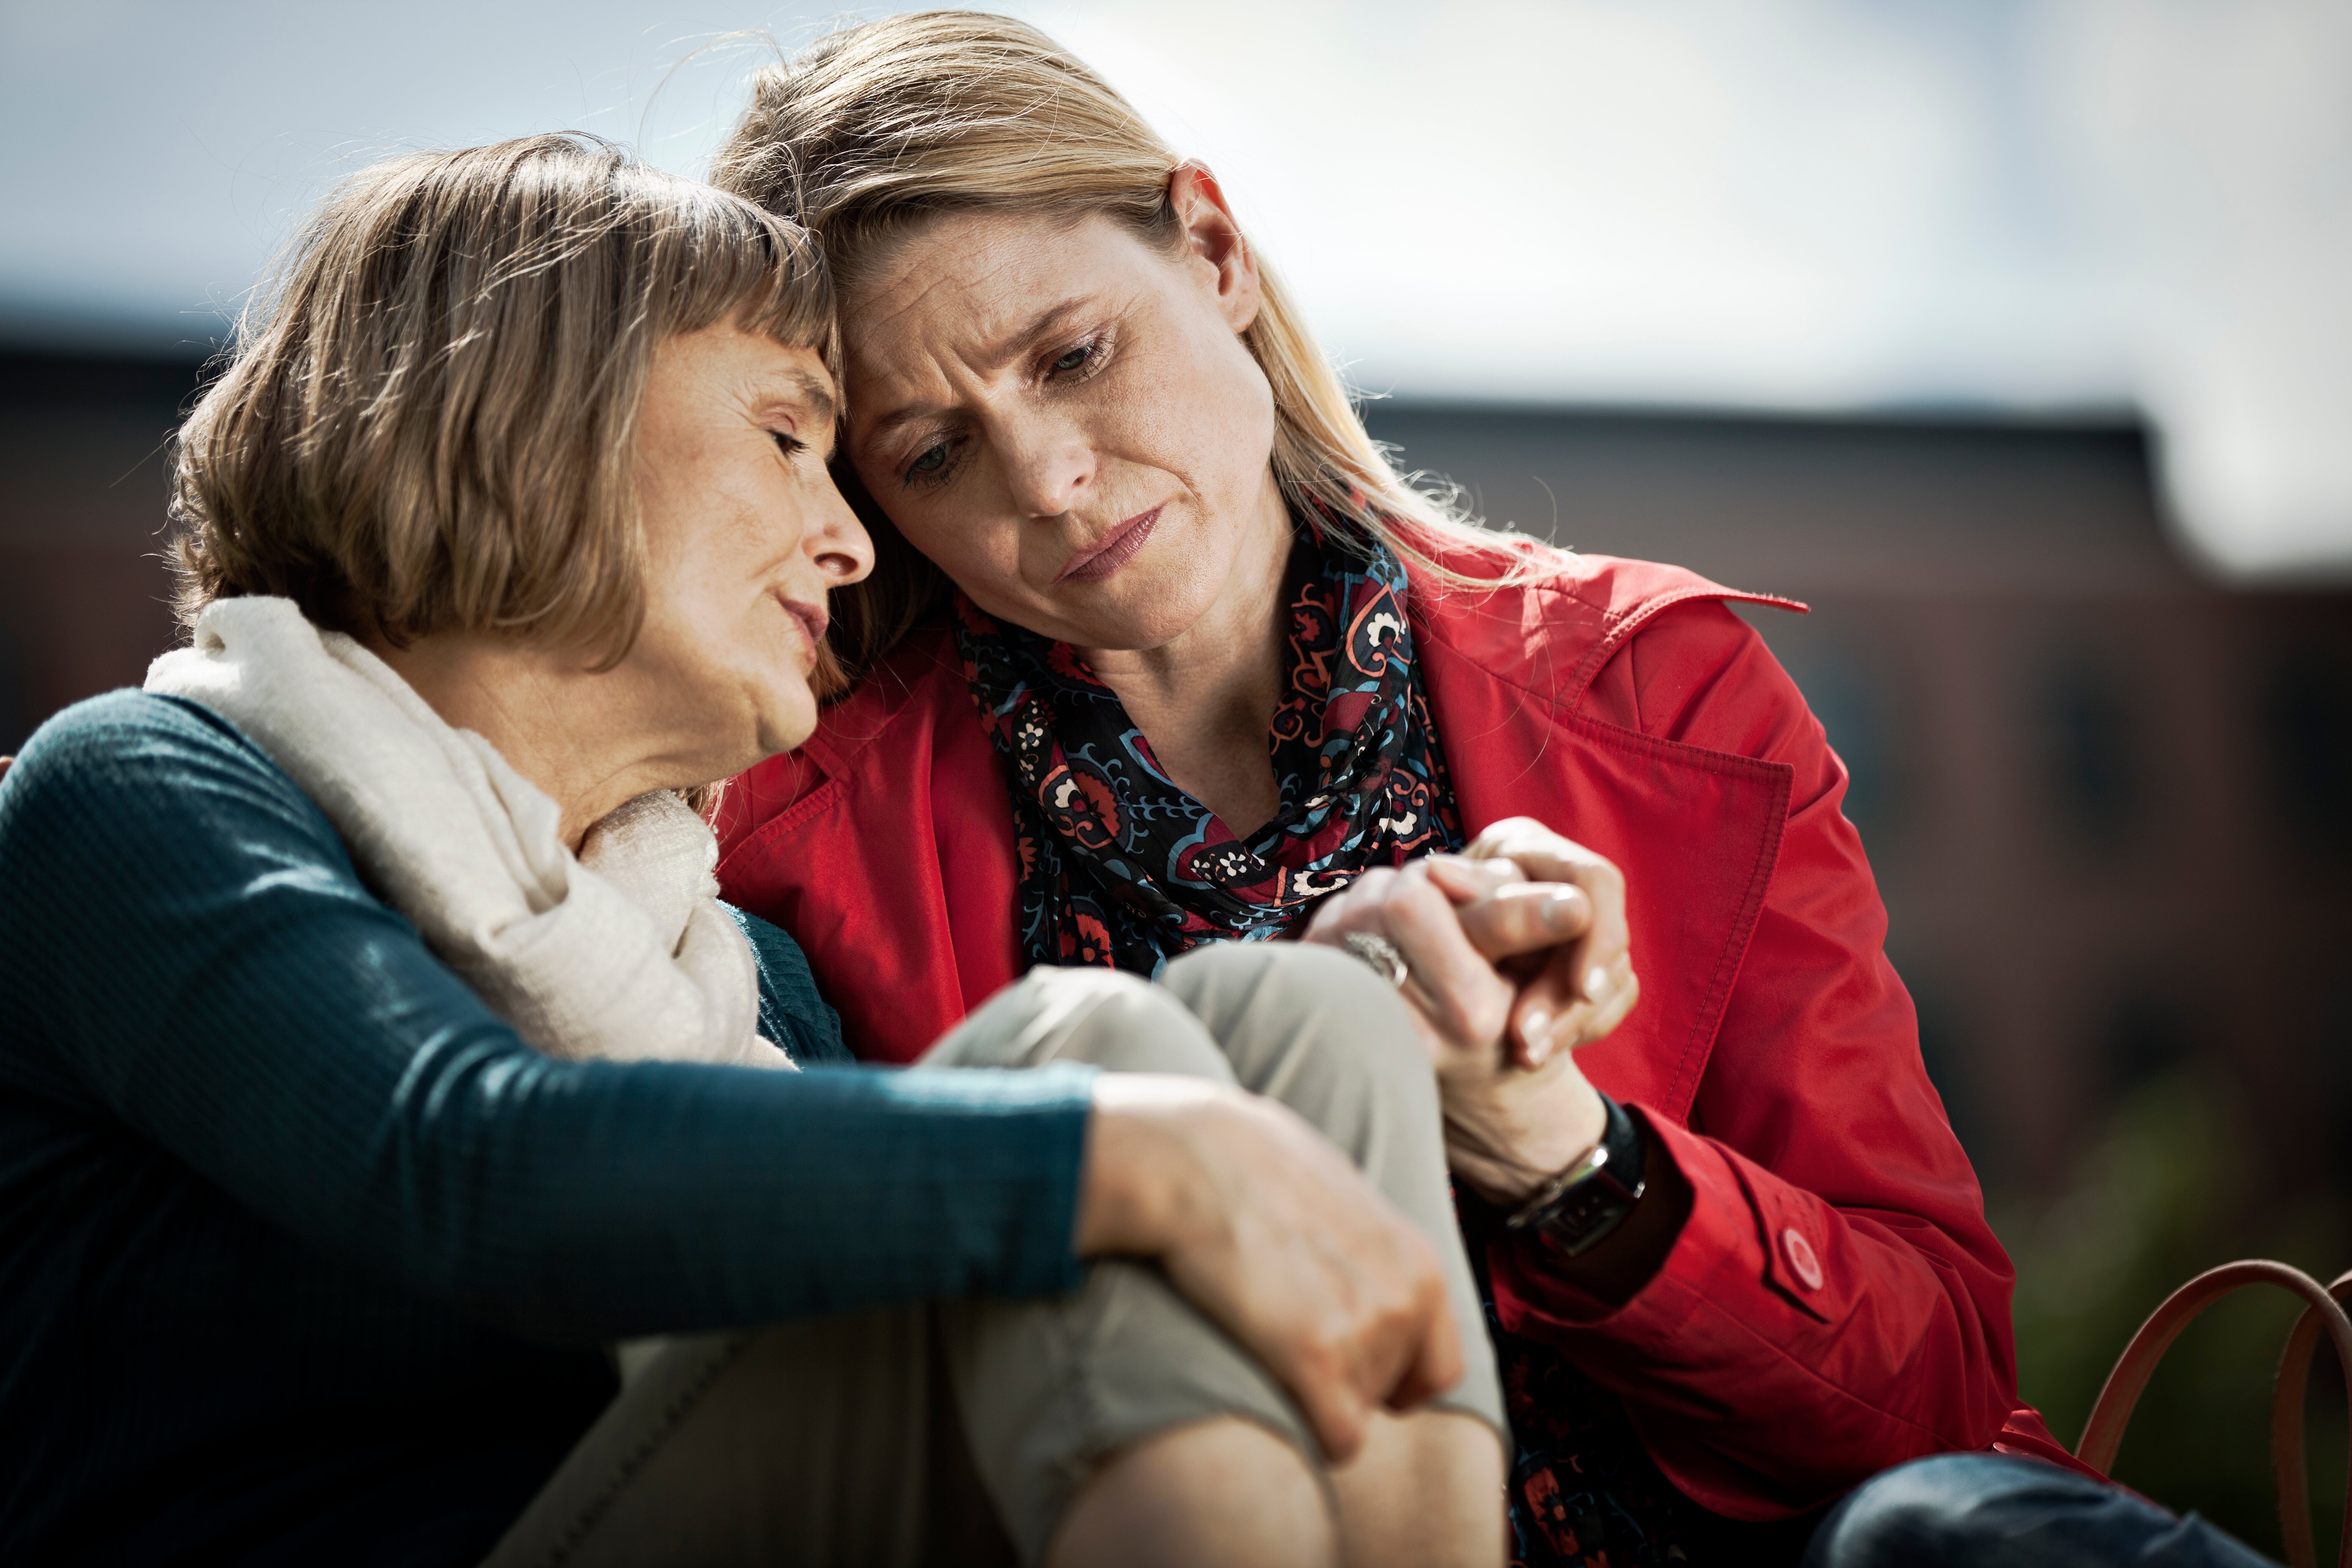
(2104,1432)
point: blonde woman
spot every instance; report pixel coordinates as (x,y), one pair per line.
(377,1045)
(1160,653)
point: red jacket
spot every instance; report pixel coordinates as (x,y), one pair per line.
(1836,1302)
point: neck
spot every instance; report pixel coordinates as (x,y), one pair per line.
(1205,701)
(557,724)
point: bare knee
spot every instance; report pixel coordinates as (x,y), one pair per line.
(1426,1491)
(1224,1490)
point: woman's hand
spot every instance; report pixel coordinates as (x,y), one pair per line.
(1507,976)
(1268,1229)
(1507,1127)
(1575,992)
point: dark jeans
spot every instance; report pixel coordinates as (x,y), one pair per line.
(1988,1510)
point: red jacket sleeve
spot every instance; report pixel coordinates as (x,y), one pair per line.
(1836,1302)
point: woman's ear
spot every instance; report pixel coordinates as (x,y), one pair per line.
(1211,236)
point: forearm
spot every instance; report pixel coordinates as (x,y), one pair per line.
(325,1070)
(1614,1268)
(603,1200)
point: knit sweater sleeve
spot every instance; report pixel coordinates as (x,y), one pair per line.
(187,953)
(792,1013)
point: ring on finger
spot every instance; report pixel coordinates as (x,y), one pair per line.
(1379,955)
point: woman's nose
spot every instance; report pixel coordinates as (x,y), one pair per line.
(837,542)
(1048,465)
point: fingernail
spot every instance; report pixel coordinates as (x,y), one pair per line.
(1596,983)
(1535,1029)
(1540,1050)
(1561,907)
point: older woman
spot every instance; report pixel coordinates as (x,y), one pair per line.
(377,1046)
(1160,653)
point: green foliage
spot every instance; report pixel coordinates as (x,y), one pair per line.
(2175,1184)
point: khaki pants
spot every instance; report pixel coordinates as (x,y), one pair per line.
(904,1435)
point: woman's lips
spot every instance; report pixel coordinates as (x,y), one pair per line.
(1115,551)
(812,619)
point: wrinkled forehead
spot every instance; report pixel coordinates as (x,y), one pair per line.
(969,293)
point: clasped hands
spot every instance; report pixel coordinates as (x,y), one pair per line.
(1516,954)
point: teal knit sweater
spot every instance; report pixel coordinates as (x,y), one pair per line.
(305,1257)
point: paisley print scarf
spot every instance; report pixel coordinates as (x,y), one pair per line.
(1119,867)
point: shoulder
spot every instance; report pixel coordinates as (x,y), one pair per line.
(144,842)
(1701,675)
(129,751)
(135,720)
(122,784)
(1569,623)
(1693,671)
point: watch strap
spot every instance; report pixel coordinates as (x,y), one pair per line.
(1574,1210)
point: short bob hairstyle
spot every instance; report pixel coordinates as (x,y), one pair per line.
(874,130)
(429,422)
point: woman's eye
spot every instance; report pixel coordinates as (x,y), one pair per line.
(789,445)
(930,462)
(1078,362)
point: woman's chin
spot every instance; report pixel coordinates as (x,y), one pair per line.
(1135,616)
(789,719)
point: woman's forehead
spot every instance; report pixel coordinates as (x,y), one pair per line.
(973,294)
(984,277)
(754,362)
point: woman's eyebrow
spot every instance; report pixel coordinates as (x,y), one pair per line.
(1003,351)
(822,408)
(1013,345)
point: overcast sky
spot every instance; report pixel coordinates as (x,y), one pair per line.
(1811,205)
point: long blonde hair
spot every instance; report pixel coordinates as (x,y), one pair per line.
(871,130)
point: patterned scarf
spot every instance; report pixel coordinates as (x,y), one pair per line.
(1119,867)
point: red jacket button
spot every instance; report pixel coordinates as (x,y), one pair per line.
(1802,1261)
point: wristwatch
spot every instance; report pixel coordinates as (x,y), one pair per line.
(1575,1209)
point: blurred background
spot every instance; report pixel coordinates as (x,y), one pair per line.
(2015,336)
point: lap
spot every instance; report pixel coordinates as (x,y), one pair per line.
(883,1438)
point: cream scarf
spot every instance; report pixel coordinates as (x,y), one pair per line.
(621,952)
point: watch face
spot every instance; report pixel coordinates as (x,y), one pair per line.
(1593,1194)
(1587,1236)
(1587,1213)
